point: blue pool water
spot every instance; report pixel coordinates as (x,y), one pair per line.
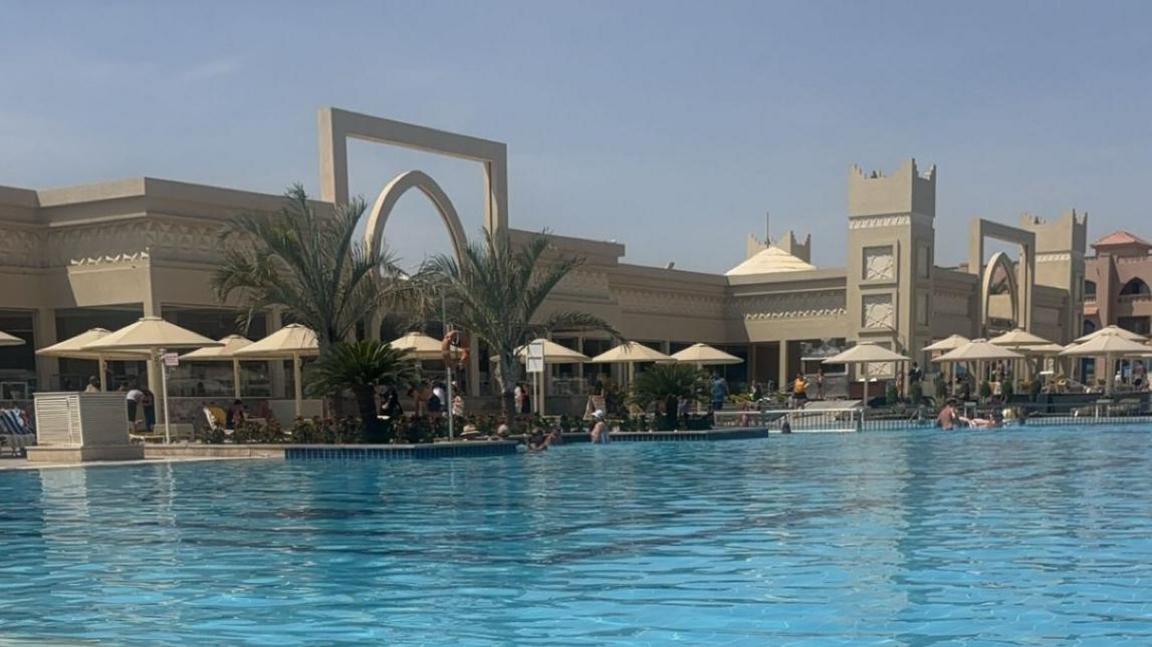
(1033,537)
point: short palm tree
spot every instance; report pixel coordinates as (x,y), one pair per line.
(307,262)
(668,383)
(495,292)
(360,367)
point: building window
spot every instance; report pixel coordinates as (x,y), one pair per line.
(1089,327)
(1134,287)
(878,312)
(1089,290)
(879,264)
(1138,325)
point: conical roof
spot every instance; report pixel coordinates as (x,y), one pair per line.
(865,352)
(705,354)
(1018,338)
(418,346)
(770,260)
(149,333)
(73,348)
(553,353)
(630,352)
(288,342)
(978,349)
(951,342)
(10,340)
(1102,345)
(226,351)
(1044,349)
(1111,331)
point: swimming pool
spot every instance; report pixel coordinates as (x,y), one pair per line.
(1033,536)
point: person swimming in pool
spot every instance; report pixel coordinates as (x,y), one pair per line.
(599,434)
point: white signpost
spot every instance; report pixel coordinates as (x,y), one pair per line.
(535,366)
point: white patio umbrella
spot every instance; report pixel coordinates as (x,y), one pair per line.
(293,342)
(979,351)
(418,346)
(1019,339)
(157,336)
(74,348)
(631,353)
(1112,331)
(949,343)
(225,352)
(865,353)
(1111,347)
(705,355)
(553,353)
(10,340)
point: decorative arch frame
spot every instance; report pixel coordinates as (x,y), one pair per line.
(1023,276)
(999,260)
(394,190)
(1134,287)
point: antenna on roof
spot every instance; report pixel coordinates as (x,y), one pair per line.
(767,227)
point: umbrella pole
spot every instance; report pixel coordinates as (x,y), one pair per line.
(298,387)
(164,393)
(236,378)
(103,368)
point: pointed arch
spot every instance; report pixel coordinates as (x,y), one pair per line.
(1134,287)
(1000,260)
(394,190)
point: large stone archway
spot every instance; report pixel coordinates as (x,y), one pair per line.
(1000,261)
(394,190)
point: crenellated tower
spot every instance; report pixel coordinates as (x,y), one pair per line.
(891,249)
(1060,248)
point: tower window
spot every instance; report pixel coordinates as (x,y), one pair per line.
(1134,287)
(1089,290)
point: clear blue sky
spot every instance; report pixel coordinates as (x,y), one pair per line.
(668,126)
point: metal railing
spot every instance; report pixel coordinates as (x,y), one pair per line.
(794,420)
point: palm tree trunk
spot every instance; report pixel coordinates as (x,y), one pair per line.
(507,382)
(366,404)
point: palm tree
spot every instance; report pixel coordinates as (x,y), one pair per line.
(360,367)
(668,383)
(495,290)
(308,263)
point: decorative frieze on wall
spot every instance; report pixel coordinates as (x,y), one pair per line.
(20,247)
(1053,258)
(789,305)
(135,239)
(584,284)
(874,222)
(667,302)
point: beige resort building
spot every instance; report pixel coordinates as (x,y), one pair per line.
(104,254)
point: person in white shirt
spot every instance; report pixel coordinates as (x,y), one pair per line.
(133,398)
(93,385)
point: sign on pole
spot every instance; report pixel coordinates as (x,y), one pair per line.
(171,360)
(535,357)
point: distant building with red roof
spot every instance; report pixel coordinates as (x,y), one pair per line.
(1116,281)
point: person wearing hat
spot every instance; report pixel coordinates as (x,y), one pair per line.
(599,428)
